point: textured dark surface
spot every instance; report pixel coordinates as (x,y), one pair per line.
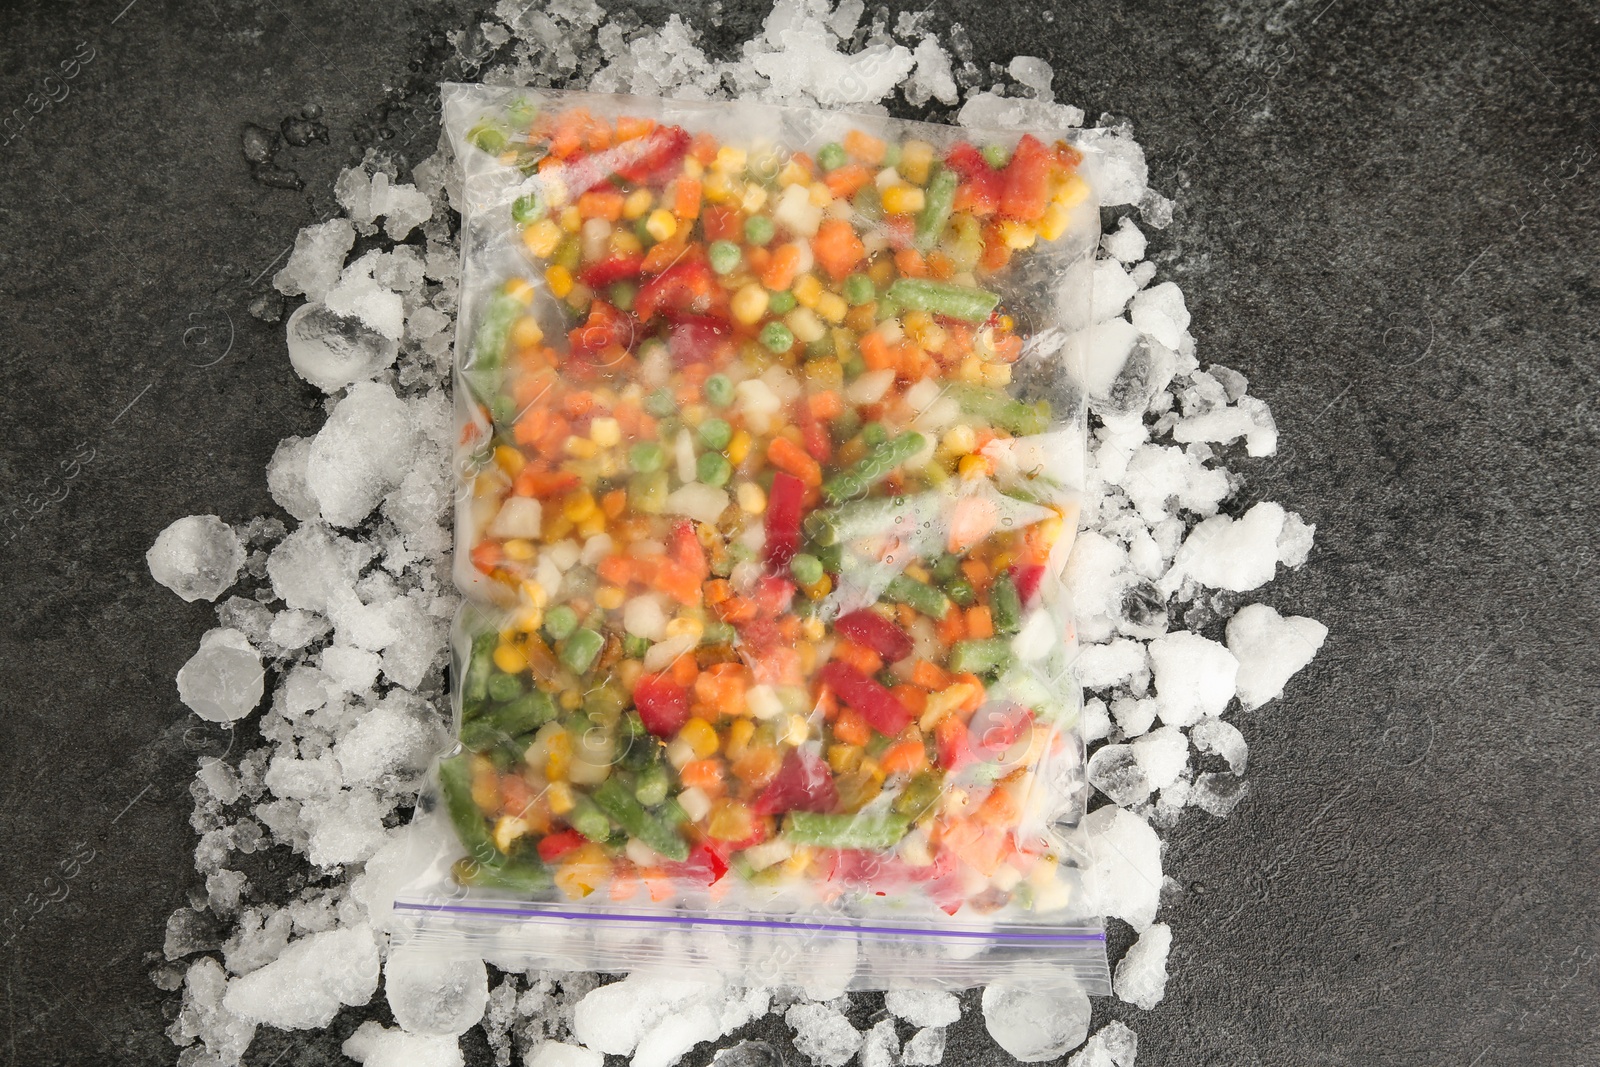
(1387,219)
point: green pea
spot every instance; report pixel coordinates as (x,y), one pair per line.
(717,633)
(526,208)
(831,156)
(713,468)
(559,622)
(661,403)
(622,295)
(858,289)
(873,434)
(758,229)
(488,138)
(719,390)
(716,433)
(806,568)
(646,456)
(780,303)
(996,155)
(777,337)
(724,256)
(960,590)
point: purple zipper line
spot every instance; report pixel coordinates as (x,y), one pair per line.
(758,923)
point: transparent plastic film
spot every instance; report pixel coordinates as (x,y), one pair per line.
(771,446)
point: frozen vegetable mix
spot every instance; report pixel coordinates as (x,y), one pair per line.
(770,448)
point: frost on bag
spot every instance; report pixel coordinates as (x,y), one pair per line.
(771,452)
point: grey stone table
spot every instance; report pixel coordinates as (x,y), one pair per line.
(1387,218)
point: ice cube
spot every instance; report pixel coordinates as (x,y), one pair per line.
(1160,312)
(389,746)
(1222,553)
(222,681)
(1106,348)
(403,208)
(1218,793)
(331,350)
(992,111)
(1126,243)
(1294,543)
(362,451)
(881,1046)
(359,296)
(1035,74)
(1194,677)
(1162,754)
(1035,1022)
(204,1015)
(198,557)
(346,827)
(558,1054)
(1107,665)
(305,987)
(434,991)
(933,78)
(823,1034)
(1094,720)
(1142,974)
(310,562)
(1222,739)
(374,1045)
(925,1049)
(1112,290)
(1116,772)
(1270,649)
(1113,1045)
(318,256)
(1124,874)
(923,1007)
(189,931)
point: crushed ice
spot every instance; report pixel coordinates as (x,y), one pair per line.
(349,611)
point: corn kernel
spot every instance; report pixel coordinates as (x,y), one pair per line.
(559,279)
(754,198)
(749,304)
(902,199)
(1017,234)
(693,168)
(559,797)
(661,224)
(507,829)
(607,432)
(581,448)
(793,174)
(529,619)
(916,161)
(1072,192)
(485,783)
(579,505)
(812,629)
(609,598)
(526,333)
(820,588)
(520,290)
(973,466)
(805,324)
(518,549)
(738,447)
(970,370)
(534,593)
(752,498)
(832,308)
(958,440)
(717,188)
(1054,223)
(509,658)
(594,525)
(571,221)
(917,571)
(795,731)
(806,289)
(699,735)
(820,195)
(844,758)
(541,238)
(509,459)
(625,243)
(636,204)
(731,159)
(685,625)
(997,375)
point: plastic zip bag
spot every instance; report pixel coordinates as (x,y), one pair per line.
(771,441)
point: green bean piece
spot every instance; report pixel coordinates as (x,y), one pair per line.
(937,204)
(652,784)
(918,595)
(613,798)
(588,819)
(987,655)
(945,567)
(998,409)
(717,633)
(996,155)
(963,302)
(634,646)
(1005,606)
(480,667)
(455,781)
(503,687)
(559,622)
(647,493)
(919,796)
(877,465)
(581,649)
(858,289)
(961,592)
(875,833)
(489,342)
(520,876)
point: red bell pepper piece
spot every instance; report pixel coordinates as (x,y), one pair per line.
(868,628)
(722,223)
(612,270)
(1027,180)
(698,339)
(815,435)
(653,157)
(1027,578)
(663,704)
(688,287)
(996,727)
(773,594)
(553,846)
(785,506)
(687,550)
(803,783)
(881,708)
(950,741)
(702,867)
(981,185)
(605,326)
